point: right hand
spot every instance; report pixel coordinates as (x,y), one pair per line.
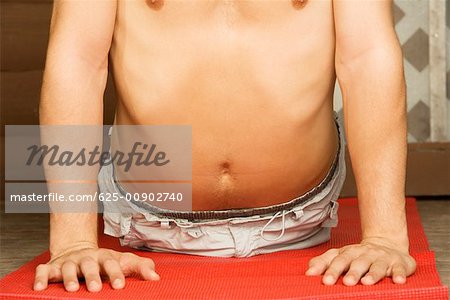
(91,263)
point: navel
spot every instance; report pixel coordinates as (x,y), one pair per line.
(225,167)
(155,4)
(225,173)
(299,4)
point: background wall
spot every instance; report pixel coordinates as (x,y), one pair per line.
(412,26)
(24,38)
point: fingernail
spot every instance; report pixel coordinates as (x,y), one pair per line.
(93,285)
(310,271)
(155,275)
(350,279)
(38,286)
(72,285)
(117,282)
(328,279)
(400,279)
(369,279)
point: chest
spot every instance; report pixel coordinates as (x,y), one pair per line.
(231,12)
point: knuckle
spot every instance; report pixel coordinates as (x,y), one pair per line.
(398,267)
(91,275)
(412,265)
(41,267)
(359,263)
(374,275)
(351,250)
(105,252)
(378,270)
(72,256)
(109,262)
(332,270)
(375,252)
(333,251)
(321,260)
(127,258)
(337,265)
(129,255)
(149,262)
(86,260)
(344,258)
(346,249)
(353,273)
(314,261)
(68,265)
(116,275)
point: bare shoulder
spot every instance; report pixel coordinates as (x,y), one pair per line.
(82,27)
(362,25)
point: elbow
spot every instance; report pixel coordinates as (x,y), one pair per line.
(380,62)
(376,73)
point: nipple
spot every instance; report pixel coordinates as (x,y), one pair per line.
(298,4)
(155,4)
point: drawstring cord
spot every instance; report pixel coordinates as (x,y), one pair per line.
(283,213)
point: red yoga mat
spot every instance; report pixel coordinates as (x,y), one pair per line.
(270,276)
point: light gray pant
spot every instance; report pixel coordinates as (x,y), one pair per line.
(302,226)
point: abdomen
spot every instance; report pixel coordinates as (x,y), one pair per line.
(255,88)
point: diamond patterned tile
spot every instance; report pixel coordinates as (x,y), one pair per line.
(398,13)
(416,16)
(417,84)
(411,24)
(419,122)
(415,50)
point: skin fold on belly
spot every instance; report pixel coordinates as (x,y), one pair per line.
(258,169)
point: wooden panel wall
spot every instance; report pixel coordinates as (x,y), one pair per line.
(24,37)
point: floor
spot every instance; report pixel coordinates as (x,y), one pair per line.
(25,236)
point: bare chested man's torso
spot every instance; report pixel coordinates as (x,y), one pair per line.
(255,81)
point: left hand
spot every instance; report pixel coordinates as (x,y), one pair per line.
(368,262)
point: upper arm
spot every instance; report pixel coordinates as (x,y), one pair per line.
(362,26)
(76,68)
(81,31)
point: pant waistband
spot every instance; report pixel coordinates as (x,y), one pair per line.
(243,212)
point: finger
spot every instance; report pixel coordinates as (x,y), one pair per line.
(411,266)
(357,269)
(91,272)
(144,267)
(54,273)
(147,269)
(41,277)
(399,274)
(111,267)
(377,271)
(69,274)
(320,263)
(338,265)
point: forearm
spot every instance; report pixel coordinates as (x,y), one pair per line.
(375,112)
(72,94)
